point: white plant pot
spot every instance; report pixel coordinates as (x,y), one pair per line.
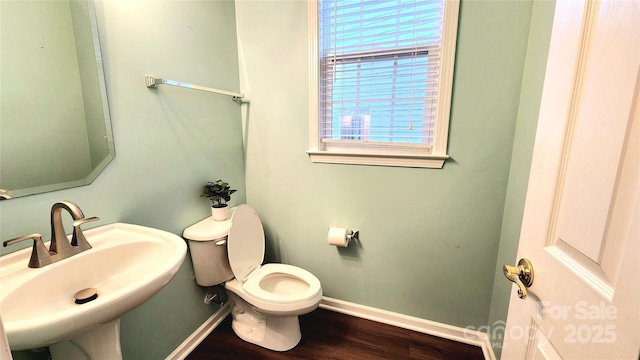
(220,213)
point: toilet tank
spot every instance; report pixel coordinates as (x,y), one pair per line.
(208,248)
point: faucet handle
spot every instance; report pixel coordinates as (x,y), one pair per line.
(85,220)
(78,238)
(40,256)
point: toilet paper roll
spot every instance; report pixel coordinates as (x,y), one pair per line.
(338,237)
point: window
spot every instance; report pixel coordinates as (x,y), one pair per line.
(381,81)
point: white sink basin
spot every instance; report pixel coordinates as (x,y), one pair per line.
(127,265)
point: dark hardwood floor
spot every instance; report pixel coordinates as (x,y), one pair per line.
(330,335)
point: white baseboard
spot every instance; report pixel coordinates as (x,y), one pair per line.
(445,331)
(190,343)
(450,332)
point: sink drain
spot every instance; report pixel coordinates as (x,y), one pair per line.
(86,295)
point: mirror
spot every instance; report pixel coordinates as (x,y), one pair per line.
(55,130)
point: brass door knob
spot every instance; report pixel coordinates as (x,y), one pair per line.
(522,275)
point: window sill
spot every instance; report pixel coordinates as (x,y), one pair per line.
(415,161)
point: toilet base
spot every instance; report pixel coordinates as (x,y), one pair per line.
(277,333)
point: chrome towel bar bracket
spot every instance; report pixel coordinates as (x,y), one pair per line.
(152,82)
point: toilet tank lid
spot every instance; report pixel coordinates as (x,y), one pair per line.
(207,230)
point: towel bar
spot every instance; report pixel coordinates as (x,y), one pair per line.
(151,82)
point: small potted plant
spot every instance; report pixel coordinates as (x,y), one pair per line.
(219,193)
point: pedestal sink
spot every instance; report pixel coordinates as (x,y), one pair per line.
(127,265)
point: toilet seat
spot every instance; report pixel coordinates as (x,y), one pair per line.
(245,242)
(282,284)
(270,286)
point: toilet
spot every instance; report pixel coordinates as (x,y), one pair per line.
(266,300)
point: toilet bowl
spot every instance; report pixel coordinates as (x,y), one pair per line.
(266,300)
(279,289)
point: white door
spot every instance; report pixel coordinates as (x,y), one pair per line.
(581,226)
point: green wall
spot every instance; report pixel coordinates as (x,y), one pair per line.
(429,238)
(168,142)
(532,81)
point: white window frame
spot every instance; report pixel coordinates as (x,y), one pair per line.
(385,154)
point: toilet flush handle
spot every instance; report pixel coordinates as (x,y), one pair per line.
(221,242)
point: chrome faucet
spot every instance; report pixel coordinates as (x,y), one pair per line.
(59,242)
(60,247)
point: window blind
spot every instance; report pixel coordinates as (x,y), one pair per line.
(379,67)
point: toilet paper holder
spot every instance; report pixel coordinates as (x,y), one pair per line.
(341,237)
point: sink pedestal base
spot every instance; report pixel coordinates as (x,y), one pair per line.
(100,342)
